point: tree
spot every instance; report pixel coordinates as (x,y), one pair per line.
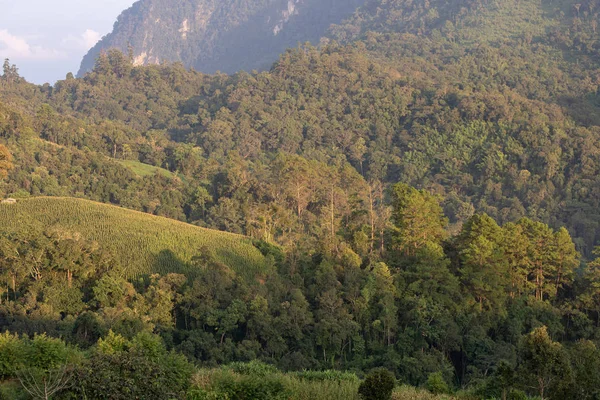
(44,385)
(516,245)
(483,269)
(590,295)
(436,384)
(545,365)
(10,72)
(11,266)
(5,161)
(382,295)
(566,260)
(585,359)
(334,325)
(418,219)
(505,378)
(378,385)
(296,177)
(540,252)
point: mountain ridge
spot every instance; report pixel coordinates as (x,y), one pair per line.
(215,36)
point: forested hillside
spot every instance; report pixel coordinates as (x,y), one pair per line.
(423,187)
(505,125)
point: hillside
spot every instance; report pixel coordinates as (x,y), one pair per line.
(492,105)
(226,36)
(144,243)
(428,184)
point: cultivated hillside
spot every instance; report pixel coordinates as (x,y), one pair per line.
(142,242)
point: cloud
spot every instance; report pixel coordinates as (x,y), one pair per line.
(12,46)
(85,41)
(91,38)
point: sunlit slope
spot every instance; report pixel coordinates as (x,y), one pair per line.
(144,243)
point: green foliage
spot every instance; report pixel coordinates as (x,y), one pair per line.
(436,384)
(141,368)
(418,217)
(11,354)
(251,381)
(327,375)
(585,359)
(255,368)
(411,393)
(11,390)
(545,365)
(377,385)
(142,243)
(251,387)
(481,107)
(40,353)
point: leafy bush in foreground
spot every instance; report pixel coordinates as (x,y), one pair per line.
(378,385)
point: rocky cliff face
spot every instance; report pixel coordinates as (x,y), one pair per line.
(225,35)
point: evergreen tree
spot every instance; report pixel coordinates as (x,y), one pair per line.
(418,219)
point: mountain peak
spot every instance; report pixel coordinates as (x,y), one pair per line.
(226,36)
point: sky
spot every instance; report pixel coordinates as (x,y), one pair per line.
(46,39)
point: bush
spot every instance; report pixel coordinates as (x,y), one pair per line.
(254,367)
(515,394)
(12,353)
(140,368)
(436,384)
(41,352)
(328,375)
(230,385)
(378,385)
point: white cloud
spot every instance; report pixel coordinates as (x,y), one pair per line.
(12,46)
(91,38)
(85,41)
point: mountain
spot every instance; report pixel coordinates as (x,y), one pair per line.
(143,243)
(212,35)
(492,105)
(425,190)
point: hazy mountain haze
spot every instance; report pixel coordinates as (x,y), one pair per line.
(47,39)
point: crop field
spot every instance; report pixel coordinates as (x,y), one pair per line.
(142,242)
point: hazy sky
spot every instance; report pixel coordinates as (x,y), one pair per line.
(48,38)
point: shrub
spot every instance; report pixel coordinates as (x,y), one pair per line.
(254,367)
(12,353)
(515,394)
(249,387)
(436,384)
(328,375)
(378,385)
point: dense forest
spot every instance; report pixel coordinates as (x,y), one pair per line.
(423,187)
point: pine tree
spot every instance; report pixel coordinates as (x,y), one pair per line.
(418,219)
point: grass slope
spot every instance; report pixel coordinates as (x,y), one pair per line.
(142,169)
(143,242)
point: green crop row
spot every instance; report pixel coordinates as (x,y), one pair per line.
(143,243)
